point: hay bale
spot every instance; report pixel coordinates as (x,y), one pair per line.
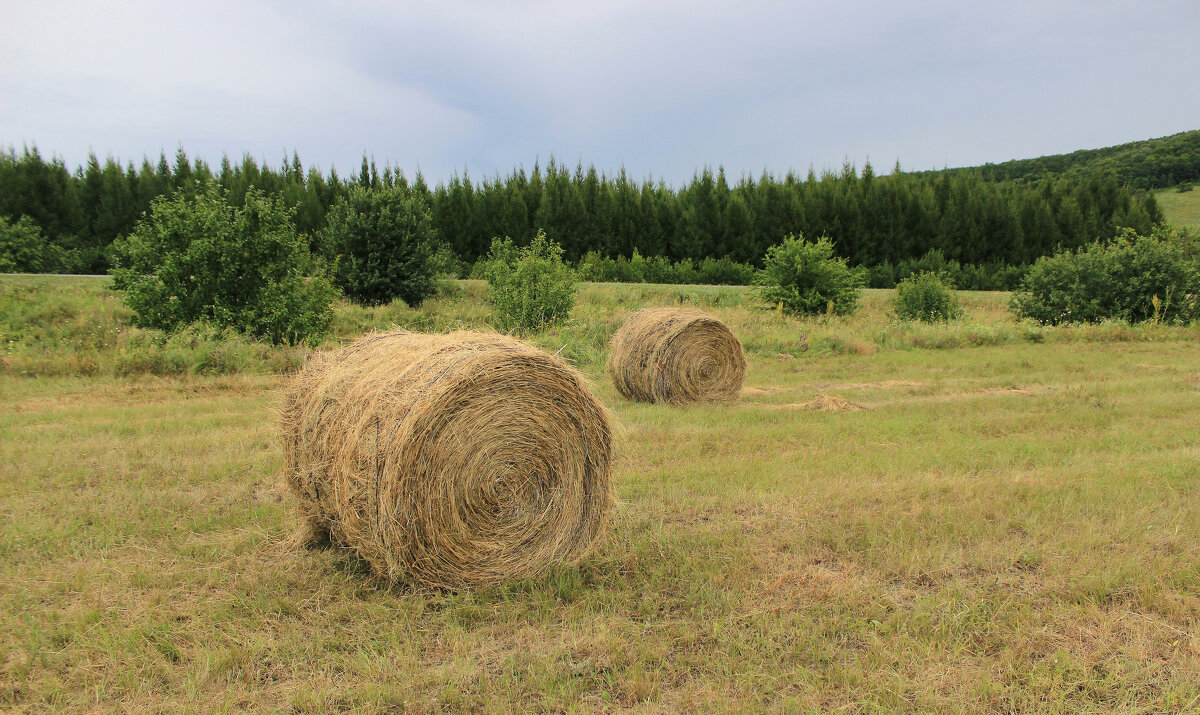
(676,355)
(448,460)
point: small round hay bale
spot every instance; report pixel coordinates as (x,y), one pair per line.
(677,356)
(448,460)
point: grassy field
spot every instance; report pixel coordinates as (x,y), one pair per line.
(984,516)
(1181,209)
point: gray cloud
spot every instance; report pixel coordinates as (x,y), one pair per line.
(662,88)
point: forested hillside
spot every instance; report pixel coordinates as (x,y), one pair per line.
(871,219)
(1153,163)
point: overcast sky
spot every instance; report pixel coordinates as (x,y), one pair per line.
(661,88)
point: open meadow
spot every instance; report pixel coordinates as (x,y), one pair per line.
(1181,208)
(984,516)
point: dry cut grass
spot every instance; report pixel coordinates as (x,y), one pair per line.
(982,516)
(1008,528)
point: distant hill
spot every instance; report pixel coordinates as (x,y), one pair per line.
(1148,164)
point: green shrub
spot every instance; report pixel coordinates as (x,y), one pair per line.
(881,275)
(591,267)
(805,277)
(964,276)
(446,264)
(932,261)
(987,276)
(200,258)
(657,269)
(928,297)
(1132,278)
(725,271)
(683,272)
(642,269)
(626,271)
(478,269)
(24,249)
(531,288)
(381,243)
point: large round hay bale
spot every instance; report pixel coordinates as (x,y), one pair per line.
(449,460)
(677,356)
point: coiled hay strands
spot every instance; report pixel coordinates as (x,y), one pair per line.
(448,461)
(677,356)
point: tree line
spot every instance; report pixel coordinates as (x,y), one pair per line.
(870,219)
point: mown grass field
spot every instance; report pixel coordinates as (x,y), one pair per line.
(1181,209)
(984,516)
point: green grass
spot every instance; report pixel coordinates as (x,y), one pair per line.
(72,326)
(1181,209)
(1008,523)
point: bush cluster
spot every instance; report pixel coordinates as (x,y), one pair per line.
(382,245)
(531,288)
(1133,278)
(199,258)
(25,249)
(657,269)
(805,277)
(964,276)
(928,297)
(196,257)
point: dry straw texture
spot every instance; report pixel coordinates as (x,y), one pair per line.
(676,355)
(448,460)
